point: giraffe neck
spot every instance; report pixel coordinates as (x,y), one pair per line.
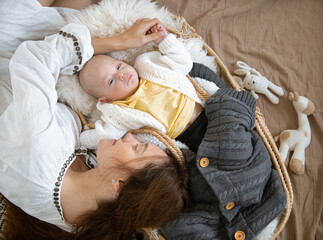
(303,123)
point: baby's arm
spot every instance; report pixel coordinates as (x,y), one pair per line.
(172,55)
(115,122)
(91,138)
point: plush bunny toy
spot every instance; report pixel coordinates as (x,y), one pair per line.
(255,82)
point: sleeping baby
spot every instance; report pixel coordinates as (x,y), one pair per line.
(155,93)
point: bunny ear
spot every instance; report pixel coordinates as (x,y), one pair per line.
(254,71)
(241,72)
(243,65)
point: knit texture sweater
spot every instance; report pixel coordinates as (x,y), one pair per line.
(168,67)
(239,173)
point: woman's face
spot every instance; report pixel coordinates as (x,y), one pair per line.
(127,150)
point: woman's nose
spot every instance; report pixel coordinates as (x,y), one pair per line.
(128,137)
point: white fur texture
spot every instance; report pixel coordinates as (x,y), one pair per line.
(110,18)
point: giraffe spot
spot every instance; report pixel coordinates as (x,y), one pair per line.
(296,166)
(310,108)
(285,135)
(305,133)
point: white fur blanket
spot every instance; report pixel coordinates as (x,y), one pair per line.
(110,18)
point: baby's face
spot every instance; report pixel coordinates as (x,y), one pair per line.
(108,79)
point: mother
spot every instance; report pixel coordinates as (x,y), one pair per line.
(44,171)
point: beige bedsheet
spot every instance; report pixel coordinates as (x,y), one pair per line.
(282,39)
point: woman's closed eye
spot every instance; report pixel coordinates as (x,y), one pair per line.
(136,147)
(140,148)
(119,66)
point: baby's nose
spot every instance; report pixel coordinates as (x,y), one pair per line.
(120,76)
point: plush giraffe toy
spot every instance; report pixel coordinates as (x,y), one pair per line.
(297,140)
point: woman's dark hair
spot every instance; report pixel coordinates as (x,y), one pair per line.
(150,197)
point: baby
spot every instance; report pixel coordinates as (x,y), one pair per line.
(155,93)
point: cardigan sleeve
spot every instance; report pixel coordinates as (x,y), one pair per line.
(114,123)
(103,130)
(34,70)
(175,55)
(239,165)
(172,56)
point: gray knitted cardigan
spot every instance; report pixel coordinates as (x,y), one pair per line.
(239,172)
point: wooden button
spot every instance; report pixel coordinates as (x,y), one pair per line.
(229,206)
(239,235)
(204,162)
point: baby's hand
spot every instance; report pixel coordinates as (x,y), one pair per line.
(161,30)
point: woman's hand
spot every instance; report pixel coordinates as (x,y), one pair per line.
(142,31)
(136,36)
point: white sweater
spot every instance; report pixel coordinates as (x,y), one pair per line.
(168,67)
